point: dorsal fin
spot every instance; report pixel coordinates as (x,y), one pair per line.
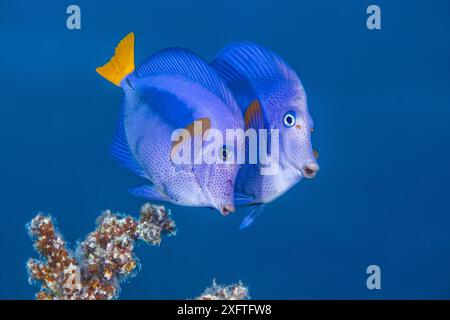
(249,61)
(182,62)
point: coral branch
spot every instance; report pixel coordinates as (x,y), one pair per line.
(102,261)
(236,291)
(104,258)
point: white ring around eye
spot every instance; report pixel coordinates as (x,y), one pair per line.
(225,153)
(289,119)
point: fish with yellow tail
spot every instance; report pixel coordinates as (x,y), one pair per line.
(172,89)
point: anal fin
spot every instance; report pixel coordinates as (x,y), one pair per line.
(149,192)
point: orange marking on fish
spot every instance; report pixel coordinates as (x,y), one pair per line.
(253,111)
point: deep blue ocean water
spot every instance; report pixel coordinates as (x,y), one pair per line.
(380,100)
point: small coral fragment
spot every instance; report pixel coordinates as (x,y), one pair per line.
(155,222)
(236,291)
(103,259)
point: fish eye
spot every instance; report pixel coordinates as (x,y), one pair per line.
(225,153)
(289,119)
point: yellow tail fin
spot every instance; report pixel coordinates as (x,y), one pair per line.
(122,63)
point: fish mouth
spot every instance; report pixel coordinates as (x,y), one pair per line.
(310,170)
(227,209)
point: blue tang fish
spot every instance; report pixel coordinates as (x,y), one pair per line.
(270,96)
(173,89)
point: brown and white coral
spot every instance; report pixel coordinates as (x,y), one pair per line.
(236,291)
(96,268)
(99,263)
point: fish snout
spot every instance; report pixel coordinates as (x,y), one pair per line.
(310,170)
(227,209)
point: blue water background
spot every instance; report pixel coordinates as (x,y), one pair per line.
(381,105)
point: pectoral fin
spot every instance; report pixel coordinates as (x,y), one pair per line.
(253,116)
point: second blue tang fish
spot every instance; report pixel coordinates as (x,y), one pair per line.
(271,96)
